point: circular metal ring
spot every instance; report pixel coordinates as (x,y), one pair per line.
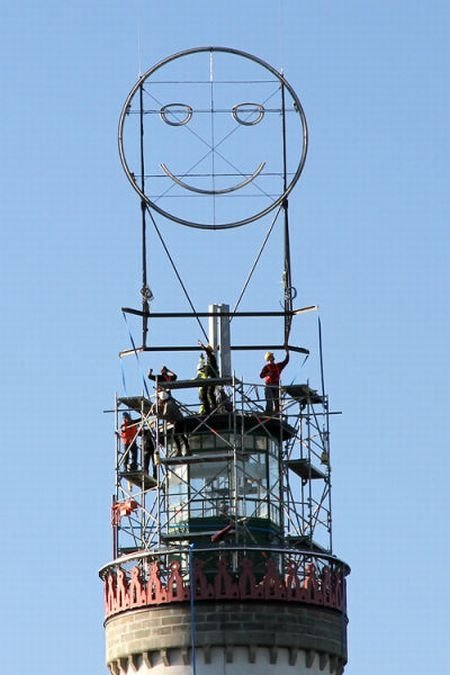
(152,203)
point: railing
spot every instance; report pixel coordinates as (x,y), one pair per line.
(222,574)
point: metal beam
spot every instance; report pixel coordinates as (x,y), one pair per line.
(191,348)
(187,315)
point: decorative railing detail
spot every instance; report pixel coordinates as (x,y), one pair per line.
(150,583)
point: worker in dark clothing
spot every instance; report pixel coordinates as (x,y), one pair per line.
(165,375)
(148,451)
(205,371)
(128,435)
(212,369)
(271,375)
(168,409)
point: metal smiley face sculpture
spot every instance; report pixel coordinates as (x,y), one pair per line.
(213,138)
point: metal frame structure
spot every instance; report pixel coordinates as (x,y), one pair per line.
(142,515)
(138,181)
(240,506)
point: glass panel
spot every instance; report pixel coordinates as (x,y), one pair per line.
(210,489)
(261,442)
(224,442)
(273,471)
(195,442)
(274,448)
(275,513)
(208,442)
(248,442)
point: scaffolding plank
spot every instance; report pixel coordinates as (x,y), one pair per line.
(188,535)
(137,403)
(141,479)
(303,393)
(300,541)
(195,459)
(304,469)
(197,382)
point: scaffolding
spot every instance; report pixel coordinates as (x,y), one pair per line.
(236,475)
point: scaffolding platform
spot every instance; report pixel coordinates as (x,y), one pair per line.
(140,479)
(188,535)
(197,458)
(305,543)
(139,404)
(303,393)
(198,382)
(240,423)
(304,469)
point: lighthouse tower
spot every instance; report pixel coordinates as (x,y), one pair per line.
(223,560)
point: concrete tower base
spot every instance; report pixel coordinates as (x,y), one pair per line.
(230,639)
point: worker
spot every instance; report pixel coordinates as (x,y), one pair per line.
(148,451)
(128,435)
(167,408)
(271,375)
(206,370)
(165,375)
(212,369)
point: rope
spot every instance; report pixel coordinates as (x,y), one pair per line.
(136,355)
(122,376)
(177,273)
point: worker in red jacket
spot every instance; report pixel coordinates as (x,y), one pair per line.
(128,436)
(271,375)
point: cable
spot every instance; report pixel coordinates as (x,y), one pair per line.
(177,273)
(260,252)
(136,355)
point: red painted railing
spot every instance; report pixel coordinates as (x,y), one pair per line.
(306,578)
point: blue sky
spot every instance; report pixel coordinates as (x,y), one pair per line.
(370,246)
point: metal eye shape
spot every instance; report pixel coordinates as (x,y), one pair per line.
(176,114)
(252,112)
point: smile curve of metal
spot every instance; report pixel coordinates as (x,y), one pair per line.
(186,186)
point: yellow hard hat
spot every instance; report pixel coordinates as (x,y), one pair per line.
(267,356)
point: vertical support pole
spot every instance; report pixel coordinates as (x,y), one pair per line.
(309,457)
(115,525)
(326,435)
(145,291)
(213,338)
(115,528)
(287,279)
(192,604)
(220,337)
(225,342)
